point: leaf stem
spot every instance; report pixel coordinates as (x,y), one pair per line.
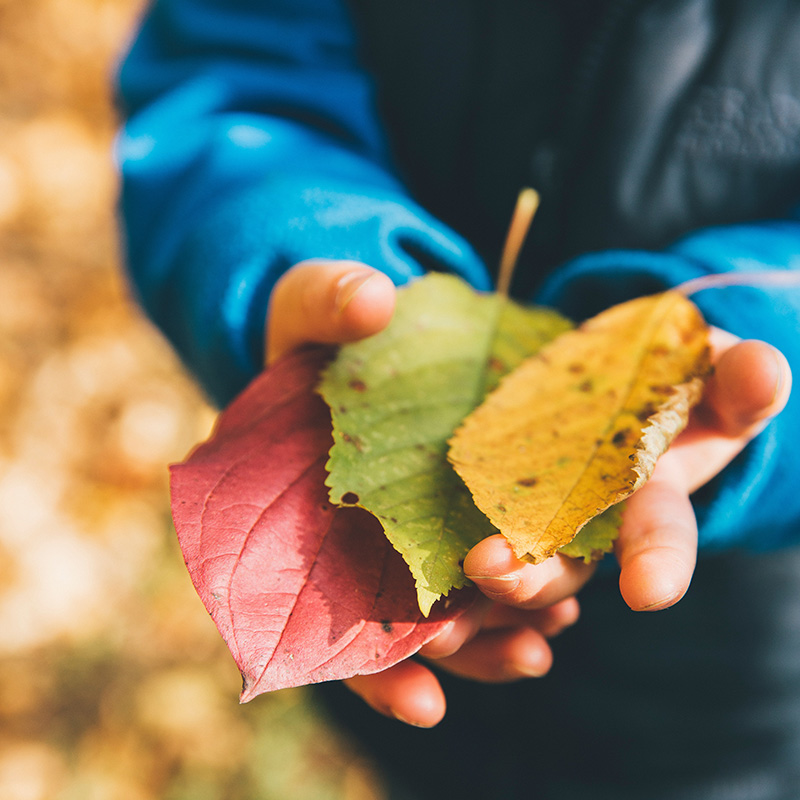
(524,211)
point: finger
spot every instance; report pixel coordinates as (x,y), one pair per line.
(500,656)
(327,302)
(459,631)
(657,544)
(751,384)
(486,615)
(408,691)
(495,570)
(550,621)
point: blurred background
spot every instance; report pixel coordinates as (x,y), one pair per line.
(114,684)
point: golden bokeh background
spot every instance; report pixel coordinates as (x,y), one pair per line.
(114,684)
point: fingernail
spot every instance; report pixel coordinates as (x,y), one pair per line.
(780,363)
(529,670)
(401,718)
(664,602)
(349,286)
(496,585)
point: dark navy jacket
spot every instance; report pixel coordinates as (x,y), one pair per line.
(637,120)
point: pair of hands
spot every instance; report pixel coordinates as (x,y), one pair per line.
(504,636)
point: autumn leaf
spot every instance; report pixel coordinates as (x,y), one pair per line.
(579,426)
(301,591)
(398,396)
(596,537)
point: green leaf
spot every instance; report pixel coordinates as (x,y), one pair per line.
(597,537)
(397,397)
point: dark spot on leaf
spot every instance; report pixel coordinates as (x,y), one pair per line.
(393,519)
(576,369)
(621,437)
(586,386)
(350,498)
(357,385)
(527,481)
(353,440)
(660,350)
(324,507)
(387,626)
(501,508)
(419,446)
(647,412)
(342,409)
(496,364)
(663,389)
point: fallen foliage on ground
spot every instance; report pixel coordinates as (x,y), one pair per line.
(112,676)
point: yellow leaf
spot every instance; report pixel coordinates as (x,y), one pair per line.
(579,427)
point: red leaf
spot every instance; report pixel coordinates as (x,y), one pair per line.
(301,591)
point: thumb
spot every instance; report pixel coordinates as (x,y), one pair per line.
(751,383)
(327,302)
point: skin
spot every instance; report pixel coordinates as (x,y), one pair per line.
(504,637)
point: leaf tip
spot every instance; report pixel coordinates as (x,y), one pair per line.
(248,690)
(426,598)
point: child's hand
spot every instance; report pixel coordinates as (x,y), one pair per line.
(657,547)
(331,302)
(504,637)
(491,643)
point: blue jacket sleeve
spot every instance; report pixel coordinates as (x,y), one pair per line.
(755,501)
(251,143)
